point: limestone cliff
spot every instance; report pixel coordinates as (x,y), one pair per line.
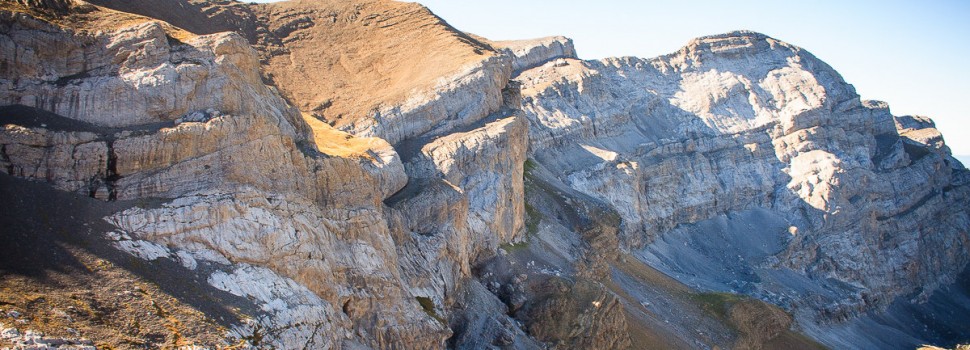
(362,175)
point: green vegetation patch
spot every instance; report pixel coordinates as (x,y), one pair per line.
(530,165)
(532,219)
(514,247)
(533,215)
(717,303)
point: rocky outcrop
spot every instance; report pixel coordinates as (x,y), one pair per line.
(72,161)
(462,100)
(581,315)
(133,76)
(337,267)
(395,70)
(462,202)
(527,54)
(487,164)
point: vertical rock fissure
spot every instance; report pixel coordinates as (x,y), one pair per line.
(111,173)
(6,159)
(311,339)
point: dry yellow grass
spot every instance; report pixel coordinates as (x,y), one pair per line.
(337,143)
(344,59)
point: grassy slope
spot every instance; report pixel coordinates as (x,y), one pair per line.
(702,308)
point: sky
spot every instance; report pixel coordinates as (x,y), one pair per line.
(911,54)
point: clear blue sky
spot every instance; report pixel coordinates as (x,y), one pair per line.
(912,54)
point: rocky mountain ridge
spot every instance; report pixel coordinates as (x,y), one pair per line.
(367,176)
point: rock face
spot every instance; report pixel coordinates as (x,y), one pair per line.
(528,54)
(742,121)
(362,175)
(133,76)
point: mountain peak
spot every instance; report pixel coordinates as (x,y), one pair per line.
(735,45)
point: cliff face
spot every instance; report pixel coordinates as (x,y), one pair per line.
(356,174)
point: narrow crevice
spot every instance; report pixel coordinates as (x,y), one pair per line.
(93,185)
(73,78)
(311,340)
(111,174)
(6,159)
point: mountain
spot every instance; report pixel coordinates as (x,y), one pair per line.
(360,174)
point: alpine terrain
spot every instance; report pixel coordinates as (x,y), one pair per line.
(330,174)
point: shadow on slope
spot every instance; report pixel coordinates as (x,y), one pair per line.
(60,272)
(941,320)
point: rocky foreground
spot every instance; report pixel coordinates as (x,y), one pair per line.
(359,174)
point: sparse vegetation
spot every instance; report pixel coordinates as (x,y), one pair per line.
(758,324)
(533,215)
